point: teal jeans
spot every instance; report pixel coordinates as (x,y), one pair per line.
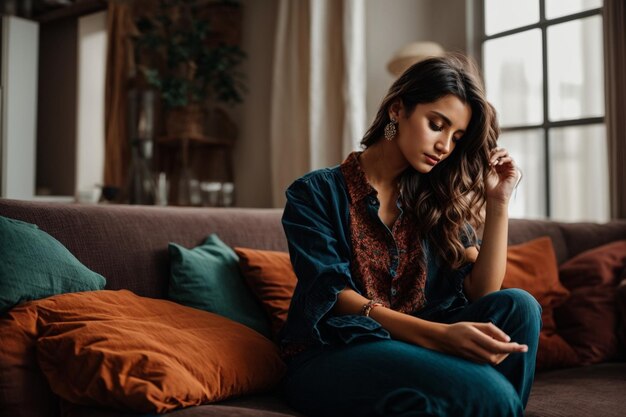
(390,378)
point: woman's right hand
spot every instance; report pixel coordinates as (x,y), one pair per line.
(479,342)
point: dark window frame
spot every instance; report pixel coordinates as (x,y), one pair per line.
(478,37)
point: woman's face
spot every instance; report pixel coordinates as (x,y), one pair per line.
(431,132)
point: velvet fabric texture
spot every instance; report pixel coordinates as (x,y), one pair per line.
(207,277)
(270,276)
(116,349)
(35,265)
(532,266)
(588,321)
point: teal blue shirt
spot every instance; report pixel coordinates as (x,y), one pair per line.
(316,221)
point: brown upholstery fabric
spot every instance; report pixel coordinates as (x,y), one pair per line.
(569,239)
(521,230)
(584,236)
(128,244)
(597,390)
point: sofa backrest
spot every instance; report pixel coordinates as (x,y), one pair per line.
(569,239)
(128,244)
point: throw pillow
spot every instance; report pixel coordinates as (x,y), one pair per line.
(270,276)
(532,266)
(207,277)
(588,320)
(621,305)
(24,391)
(120,350)
(35,265)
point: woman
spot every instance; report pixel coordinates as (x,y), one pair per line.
(396,311)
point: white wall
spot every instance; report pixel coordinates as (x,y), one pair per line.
(20,40)
(392,24)
(92,40)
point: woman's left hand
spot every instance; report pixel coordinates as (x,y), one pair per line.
(502,177)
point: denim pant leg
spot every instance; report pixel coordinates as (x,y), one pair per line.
(518,314)
(390,378)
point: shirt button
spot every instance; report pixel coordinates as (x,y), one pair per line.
(394,291)
(393,272)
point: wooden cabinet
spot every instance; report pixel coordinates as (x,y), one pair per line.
(200,169)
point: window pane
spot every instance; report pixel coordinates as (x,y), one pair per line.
(501,15)
(526,147)
(513,77)
(579,189)
(575,69)
(558,8)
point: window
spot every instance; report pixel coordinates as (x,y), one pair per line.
(543,68)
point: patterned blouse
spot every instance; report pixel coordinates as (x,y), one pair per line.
(387,264)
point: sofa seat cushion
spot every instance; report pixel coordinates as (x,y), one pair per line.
(35,265)
(212,410)
(595,390)
(265,405)
(131,353)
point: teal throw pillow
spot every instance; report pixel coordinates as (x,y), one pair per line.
(207,277)
(35,265)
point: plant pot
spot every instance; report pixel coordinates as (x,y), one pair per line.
(185,122)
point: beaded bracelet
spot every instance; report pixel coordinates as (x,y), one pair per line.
(367,308)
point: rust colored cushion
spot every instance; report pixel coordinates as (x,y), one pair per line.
(588,320)
(24,391)
(621,306)
(270,276)
(532,266)
(116,349)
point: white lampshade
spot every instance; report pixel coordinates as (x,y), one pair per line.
(412,53)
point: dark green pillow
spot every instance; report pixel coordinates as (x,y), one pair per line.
(35,265)
(207,277)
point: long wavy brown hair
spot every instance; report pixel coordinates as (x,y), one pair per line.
(452,194)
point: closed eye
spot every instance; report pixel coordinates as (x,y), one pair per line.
(435,127)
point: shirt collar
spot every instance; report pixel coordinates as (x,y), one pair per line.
(358,187)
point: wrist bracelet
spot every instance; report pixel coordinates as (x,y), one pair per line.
(367,308)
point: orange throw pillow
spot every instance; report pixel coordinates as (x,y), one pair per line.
(270,276)
(532,266)
(117,349)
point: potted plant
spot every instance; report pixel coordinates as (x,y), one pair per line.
(189,61)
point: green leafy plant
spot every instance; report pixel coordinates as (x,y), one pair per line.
(176,56)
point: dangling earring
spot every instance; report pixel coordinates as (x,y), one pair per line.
(391,129)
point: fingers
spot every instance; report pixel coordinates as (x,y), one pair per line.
(499,156)
(493,331)
(486,341)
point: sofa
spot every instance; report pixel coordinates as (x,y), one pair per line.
(128,246)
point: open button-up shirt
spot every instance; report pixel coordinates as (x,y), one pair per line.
(337,240)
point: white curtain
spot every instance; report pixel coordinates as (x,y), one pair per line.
(318,90)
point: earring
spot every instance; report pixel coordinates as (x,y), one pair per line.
(391,129)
